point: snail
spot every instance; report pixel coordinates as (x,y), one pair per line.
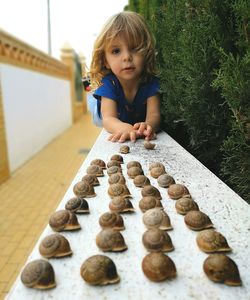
(141,181)
(110,240)
(150,190)
(64,220)
(118,189)
(156,218)
(156,165)
(165,180)
(121,205)
(98,162)
(91,179)
(134,171)
(133,163)
(38,274)
(55,245)
(82,189)
(112,163)
(221,268)
(116,178)
(176,191)
(77,205)
(197,220)
(158,267)
(212,241)
(99,270)
(95,170)
(184,205)
(149,202)
(148,145)
(155,240)
(111,220)
(117,157)
(114,170)
(124,149)
(157,171)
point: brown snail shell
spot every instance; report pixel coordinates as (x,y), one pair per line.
(134,171)
(112,163)
(77,205)
(91,179)
(149,202)
(148,145)
(176,191)
(116,178)
(156,218)
(158,267)
(118,189)
(114,170)
(111,220)
(156,165)
(124,149)
(133,163)
(165,180)
(98,162)
(155,240)
(95,170)
(157,171)
(184,205)
(63,220)
(99,270)
(117,157)
(121,205)
(55,245)
(150,190)
(141,181)
(212,241)
(84,190)
(197,220)
(110,240)
(221,268)
(38,274)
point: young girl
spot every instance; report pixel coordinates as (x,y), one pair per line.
(122,70)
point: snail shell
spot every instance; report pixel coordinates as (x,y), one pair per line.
(184,205)
(156,218)
(117,157)
(133,163)
(111,220)
(221,268)
(98,162)
(91,179)
(82,189)
(116,178)
(110,240)
(155,240)
(99,270)
(141,181)
(95,170)
(63,220)
(148,145)
(124,149)
(134,171)
(197,220)
(150,190)
(156,165)
(165,180)
(118,189)
(114,170)
(176,191)
(112,163)
(158,267)
(121,205)
(212,241)
(149,202)
(157,171)
(38,274)
(77,205)
(55,245)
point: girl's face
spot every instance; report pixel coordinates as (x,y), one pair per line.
(126,63)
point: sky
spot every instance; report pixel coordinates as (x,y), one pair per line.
(76,22)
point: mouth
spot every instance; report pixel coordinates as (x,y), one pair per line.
(128,69)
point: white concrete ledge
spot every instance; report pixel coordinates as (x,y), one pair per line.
(229,213)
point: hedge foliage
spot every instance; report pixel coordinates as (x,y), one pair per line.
(204,66)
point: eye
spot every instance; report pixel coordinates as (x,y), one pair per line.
(116,51)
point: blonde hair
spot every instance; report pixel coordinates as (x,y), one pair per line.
(133,28)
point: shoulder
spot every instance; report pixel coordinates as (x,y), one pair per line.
(152,86)
(108,87)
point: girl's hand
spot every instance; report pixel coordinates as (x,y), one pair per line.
(144,129)
(121,137)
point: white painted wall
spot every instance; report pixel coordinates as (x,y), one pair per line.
(37,108)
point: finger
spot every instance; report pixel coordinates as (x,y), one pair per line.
(123,138)
(136,125)
(132,136)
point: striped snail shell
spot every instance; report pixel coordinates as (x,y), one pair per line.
(165,180)
(55,245)
(91,179)
(141,180)
(176,191)
(133,163)
(111,220)
(150,190)
(155,240)
(184,205)
(149,202)
(148,145)
(112,163)
(121,205)
(98,162)
(95,170)
(118,189)
(124,149)
(117,157)
(156,218)
(64,220)
(77,205)
(156,165)
(134,171)
(38,274)
(99,270)
(82,189)
(110,240)
(197,220)
(157,171)
(114,170)
(116,178)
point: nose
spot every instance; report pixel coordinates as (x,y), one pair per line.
(127,55)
